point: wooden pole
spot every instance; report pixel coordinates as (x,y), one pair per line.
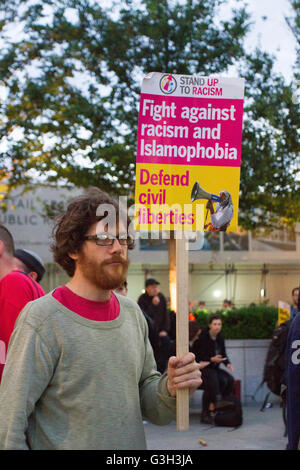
(182,325)
(172,270)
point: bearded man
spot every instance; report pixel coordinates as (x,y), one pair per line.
(80,371)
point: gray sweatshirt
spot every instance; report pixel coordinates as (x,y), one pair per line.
(74,383)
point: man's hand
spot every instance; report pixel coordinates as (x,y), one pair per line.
(155,300)
(183,373)
(218,358)
(229,366)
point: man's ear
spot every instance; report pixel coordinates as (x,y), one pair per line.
(73,256)
(33,275)
(2,248)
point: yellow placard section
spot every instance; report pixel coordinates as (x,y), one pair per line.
(163,195)
(283,315)
(283,311)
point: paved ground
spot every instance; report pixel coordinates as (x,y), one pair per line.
(260,431)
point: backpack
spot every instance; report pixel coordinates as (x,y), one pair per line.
(230,415)
(274,367)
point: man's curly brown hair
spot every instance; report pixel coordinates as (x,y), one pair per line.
(71,226)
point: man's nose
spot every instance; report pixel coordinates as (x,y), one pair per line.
(116,247)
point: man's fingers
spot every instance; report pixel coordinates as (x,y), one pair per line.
(182,361)
(179,371)
(183,372)
(185,360)
(192,383)
(184,379)
(184,365)
(173,361)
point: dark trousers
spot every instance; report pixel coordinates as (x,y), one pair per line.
(215,382)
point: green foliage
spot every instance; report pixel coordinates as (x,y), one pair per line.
(294,24)
(270,151)
(73,78)
(245,323)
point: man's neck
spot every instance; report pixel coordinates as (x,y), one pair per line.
(82,287)
(6,267)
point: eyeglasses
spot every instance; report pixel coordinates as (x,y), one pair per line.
(106,239)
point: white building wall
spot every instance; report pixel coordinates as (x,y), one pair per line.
(243,287)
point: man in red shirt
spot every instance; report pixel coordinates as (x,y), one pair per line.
(16,290)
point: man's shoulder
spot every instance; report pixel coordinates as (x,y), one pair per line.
(18,288)
(15,277)
(127,302)
(38,311)
(20,278)
(130,306)
(161,295)
(143,297)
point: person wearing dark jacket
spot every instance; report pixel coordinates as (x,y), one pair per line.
(293,383)
(123,290)
(210,352)
(154,305)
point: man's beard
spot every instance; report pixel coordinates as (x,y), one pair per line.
(103,276)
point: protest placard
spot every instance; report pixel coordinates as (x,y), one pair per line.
(188,153)
(190,130)
(284,311)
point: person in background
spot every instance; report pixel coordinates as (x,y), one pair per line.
(80,372)
(294,306)
(202,306)
(123,290)
(172,319)
(292,377)
(154,304)
(194,333)
(200,309)
(210,352)
(192,317)
(30,263)
(16,290)
(192,305)
(227,306)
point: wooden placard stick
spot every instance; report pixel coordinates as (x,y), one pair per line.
(182,326)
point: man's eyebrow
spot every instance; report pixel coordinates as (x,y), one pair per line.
(108,234)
